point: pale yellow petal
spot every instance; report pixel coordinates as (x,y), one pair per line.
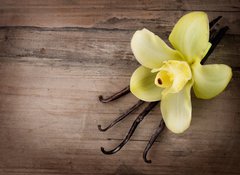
(177,109)
(142,85)
(150,50)
(190,36)
(210,80)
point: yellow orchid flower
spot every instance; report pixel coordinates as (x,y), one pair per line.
(166,74)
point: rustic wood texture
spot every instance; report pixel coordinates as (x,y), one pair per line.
(57,56)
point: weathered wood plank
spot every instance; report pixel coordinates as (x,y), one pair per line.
(57,56)
(133,15)
(49,117)
(96,47)
(164,5)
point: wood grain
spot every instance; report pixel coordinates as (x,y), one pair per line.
(121,15)
(57,56)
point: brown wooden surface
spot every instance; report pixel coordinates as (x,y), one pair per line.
(57,56)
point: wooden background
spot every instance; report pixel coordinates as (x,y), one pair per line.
(57,56)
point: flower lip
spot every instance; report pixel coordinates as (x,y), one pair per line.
(164,79)
(172,76)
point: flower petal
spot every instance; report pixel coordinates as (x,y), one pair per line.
(190,36)
(142,85)
(177,109)
(150,50)
(210,80)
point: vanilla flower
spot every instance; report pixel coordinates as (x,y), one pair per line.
(168,74)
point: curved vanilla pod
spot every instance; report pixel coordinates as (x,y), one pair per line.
(153,138)
(138,120)
(215,38)
(115,96)
(123,116)
(214,21)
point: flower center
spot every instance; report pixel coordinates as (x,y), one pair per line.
(164,79)
(173,75)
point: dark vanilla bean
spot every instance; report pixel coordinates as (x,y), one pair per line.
(214,21)
(138,120)
(115,96)
(152,140)
(215,39)
(123,116)
(218,35)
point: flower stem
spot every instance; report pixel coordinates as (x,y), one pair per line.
(123,116)
(138,120)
